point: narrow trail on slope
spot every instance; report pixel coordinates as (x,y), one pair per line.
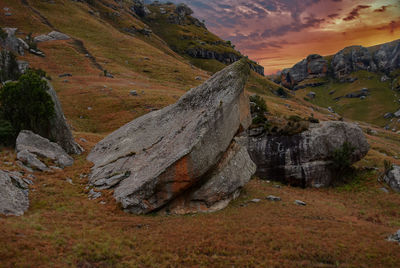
(76,42)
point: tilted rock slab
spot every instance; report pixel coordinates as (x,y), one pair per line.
(392,178)
(161,155)
(306,159)
(29,143)
(14,193)
(59,130)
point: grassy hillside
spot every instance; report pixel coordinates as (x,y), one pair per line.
(382,98)
(344,226)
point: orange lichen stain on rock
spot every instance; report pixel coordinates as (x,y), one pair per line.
(182,178)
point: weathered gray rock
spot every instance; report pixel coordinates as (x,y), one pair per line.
(311,67)
(11,42)
(224,184)
(273,198)
(52,36)
(31,160)
(59,130)
(14,193)
(395,237)
(352,59)
(166,153)
(392,178)
(305,159)
(27,141)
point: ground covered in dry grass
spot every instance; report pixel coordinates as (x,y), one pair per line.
(346,226)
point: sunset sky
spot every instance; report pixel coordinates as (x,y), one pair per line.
(279,33)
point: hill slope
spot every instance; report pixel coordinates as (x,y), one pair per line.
(337,81)
(344,226)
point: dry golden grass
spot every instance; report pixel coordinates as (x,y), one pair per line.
(344,226)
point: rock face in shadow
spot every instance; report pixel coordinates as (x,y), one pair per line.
(311,67)
(166,154)
(305,159)
(59,130)
(14,193)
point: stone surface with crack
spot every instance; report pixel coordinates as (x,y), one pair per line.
(159,157)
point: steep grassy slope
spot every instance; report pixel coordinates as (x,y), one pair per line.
(144,64)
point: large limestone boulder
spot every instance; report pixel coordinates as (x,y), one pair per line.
(14,192)
(224,184)
(305,159)
(162,155)
(59,130)
(29,145)
(392,178)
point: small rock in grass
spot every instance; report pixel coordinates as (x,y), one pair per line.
(94,195)
(383,189)
(255,200)
(300,203)
(69,180)
(395,237)
(273,198)
(277,186)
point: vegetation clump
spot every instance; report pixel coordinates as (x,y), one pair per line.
(25,104)
(341,159)
(3,34)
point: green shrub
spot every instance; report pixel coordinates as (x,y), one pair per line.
(281,92)
(313,120)
(387,165)
(3,34)
(26,103)
(30,42)
(341,159)
(7,133)
(261,106)
(294,118)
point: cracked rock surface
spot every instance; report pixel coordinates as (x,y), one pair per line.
(165,154)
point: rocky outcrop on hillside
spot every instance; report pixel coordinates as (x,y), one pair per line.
(226,58)
(384,58)
(59,130)
(10,42)
(305,159)
(182,158)
(139,8)
(31,147)
(10,68)
(52,36)
(392,178)
(311,67)
(14,193)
